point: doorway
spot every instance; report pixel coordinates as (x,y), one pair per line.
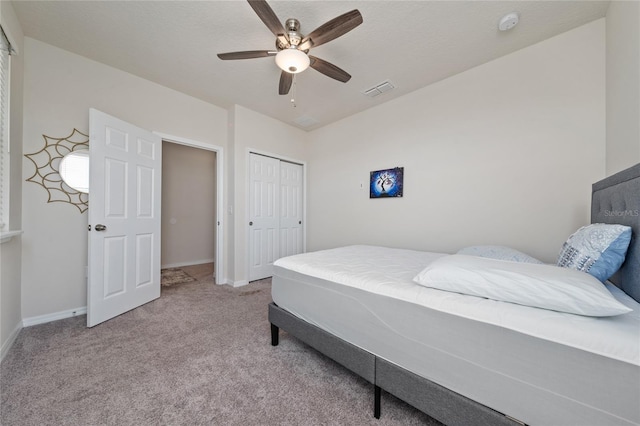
(188,206)
(125,245)
(210,163)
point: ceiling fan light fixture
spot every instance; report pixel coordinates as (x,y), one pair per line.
(292,60)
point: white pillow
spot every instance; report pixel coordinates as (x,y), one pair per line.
(499,252)
(540,286)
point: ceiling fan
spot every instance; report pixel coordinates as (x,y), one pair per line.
(292,47)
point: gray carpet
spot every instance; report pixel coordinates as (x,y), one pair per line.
(199,355)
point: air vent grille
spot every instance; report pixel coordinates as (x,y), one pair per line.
(305,121)
(379,89)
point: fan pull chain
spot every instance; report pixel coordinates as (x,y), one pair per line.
(294,92)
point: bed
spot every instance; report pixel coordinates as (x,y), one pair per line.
(464,359)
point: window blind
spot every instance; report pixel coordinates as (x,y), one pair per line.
(5,51)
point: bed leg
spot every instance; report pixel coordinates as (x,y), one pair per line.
(376,401)
(274,335)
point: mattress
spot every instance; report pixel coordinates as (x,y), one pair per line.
(537,366)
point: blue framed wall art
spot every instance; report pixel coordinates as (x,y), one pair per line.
(386,183)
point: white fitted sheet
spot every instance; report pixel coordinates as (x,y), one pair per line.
(541,367)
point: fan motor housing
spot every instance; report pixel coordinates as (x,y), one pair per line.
(292,27)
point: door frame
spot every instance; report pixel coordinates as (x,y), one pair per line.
(219,257)
(247,210)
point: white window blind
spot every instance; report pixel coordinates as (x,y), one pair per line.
(5,51)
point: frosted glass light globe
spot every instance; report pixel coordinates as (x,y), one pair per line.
(292,60)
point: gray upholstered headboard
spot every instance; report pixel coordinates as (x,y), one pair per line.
(616,199)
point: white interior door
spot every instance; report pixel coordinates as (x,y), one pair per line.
(124,216)
(291,186)
(264,215)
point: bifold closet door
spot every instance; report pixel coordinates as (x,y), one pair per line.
(275,219)
(291,187)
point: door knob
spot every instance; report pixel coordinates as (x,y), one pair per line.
(250,223)
(100,227)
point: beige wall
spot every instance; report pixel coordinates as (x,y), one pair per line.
(60,87)
(623,85)
(188,205)
(11,252)
(504,153)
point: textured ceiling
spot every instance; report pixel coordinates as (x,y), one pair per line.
(410,43)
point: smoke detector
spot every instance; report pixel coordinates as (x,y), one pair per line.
(508,21)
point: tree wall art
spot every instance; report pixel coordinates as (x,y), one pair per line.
(386,183)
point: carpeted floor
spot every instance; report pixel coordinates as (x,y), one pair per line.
(198,355)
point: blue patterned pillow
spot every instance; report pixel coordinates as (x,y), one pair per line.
(598,249)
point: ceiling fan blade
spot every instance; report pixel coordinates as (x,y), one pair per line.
(332,29)
(249,54)
(286,79)
(329,69)
(270,19)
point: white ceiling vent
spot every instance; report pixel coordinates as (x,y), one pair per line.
(379,89)
(305,121)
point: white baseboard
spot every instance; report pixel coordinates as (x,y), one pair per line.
(189,263)
(42,319)
(9,342)
(236,283)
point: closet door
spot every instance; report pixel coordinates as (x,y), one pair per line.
(276,212)
(291,187)
(264,216)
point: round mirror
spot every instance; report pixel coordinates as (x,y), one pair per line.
(74,170)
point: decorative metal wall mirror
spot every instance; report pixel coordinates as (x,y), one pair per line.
(74,170)
(71,154)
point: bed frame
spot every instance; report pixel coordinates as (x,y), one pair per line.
(615,199)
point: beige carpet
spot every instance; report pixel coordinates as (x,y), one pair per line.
(198,355)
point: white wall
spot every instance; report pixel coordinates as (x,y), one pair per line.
(188,205)
(623,85)
(60,87)
(11,252)
(255,132)
(504,153)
